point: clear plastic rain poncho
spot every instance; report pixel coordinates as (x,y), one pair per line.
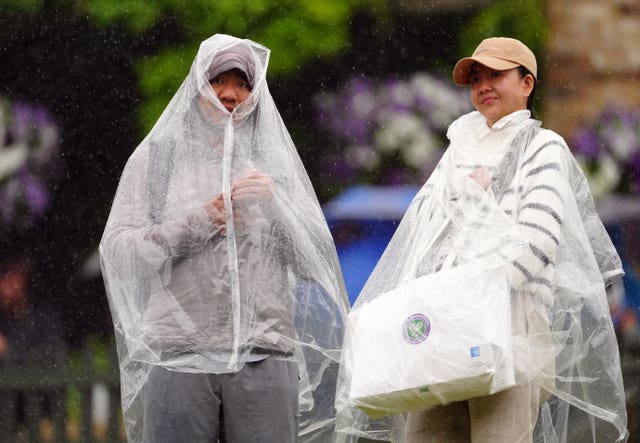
(195,296)
(538,216)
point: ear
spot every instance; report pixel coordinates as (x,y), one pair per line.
(527,84)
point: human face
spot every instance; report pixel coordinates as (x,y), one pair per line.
(231,87)
(495,94)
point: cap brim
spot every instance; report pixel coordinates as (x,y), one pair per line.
(462,69)
(228,66)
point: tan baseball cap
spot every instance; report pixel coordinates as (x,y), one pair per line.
(500,53)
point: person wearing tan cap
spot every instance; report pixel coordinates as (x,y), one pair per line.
(506,194)
(568,384)
(509,61)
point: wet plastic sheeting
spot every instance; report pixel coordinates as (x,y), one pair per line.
(194,295)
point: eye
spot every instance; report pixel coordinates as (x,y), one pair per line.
(216,80)
(496,74)
(474,79)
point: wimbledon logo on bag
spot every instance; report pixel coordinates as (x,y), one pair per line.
(416,328)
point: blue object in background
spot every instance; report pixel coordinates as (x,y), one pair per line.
(631,280)
(620,215)
(362,220)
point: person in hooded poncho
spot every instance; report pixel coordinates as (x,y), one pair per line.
(226,295)
(506,193)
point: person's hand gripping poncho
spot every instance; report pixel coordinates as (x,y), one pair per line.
(195,295)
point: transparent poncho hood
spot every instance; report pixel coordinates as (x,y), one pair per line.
(194,296)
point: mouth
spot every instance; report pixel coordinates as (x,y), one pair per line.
(229,108)
(487,100)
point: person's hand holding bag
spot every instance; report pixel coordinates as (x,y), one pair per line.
(482,176)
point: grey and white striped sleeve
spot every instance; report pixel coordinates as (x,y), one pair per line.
(543,186)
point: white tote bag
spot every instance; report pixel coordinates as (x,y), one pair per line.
(439,338)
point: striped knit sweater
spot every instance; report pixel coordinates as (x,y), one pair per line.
(537,205)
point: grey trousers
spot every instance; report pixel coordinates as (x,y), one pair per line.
(257,404)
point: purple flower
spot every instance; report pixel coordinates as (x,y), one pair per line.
(35,195)
(397,176)
(339,170)
(399,108)
(24,197)
(634,173)
(28,118)
(423,104)
(355,114)
(359,85)
(357,131)
(609,116)
(615,133)
(587,143)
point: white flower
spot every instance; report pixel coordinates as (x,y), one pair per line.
(605,178)
(423,84)
(401,94)
(12,158)
(362,157)
(419,151)
(623,141)
(363,104)
(445,103)
(395,130)
(409,134)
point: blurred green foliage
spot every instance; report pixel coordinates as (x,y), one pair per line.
(524,20)
(296,31)
(96,63)
(20,4)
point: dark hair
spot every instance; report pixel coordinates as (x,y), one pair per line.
(523,73)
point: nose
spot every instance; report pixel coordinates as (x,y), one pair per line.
(483,84)
(227,93)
